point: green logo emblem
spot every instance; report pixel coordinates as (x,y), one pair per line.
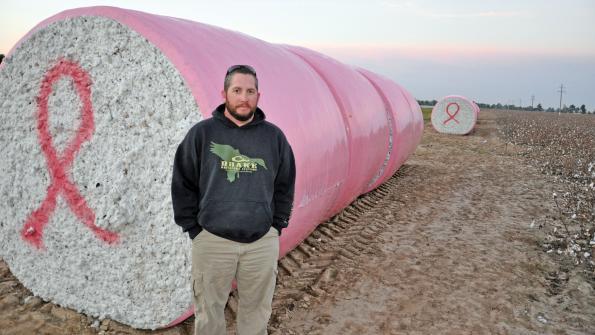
(233,162)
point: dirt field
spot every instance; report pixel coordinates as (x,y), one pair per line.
(450,245)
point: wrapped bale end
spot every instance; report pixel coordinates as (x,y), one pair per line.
(91,114)
(454,114)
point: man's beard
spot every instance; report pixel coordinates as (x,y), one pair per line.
(238,116)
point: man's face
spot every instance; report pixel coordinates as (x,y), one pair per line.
(241,97)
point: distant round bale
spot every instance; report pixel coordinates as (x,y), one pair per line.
(454,114)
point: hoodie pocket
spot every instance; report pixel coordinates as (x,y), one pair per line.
(242,221)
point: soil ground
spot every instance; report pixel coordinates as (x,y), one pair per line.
(451,246)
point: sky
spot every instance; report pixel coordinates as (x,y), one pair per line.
(512,52)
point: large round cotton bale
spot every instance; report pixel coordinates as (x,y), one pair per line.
(454,114)
(94,102)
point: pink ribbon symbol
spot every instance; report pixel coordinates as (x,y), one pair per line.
(58,165)
(451,116)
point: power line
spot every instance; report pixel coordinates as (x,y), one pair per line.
(561,91)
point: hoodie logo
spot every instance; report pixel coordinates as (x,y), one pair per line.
(233,162)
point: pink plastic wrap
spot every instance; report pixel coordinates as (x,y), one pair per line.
(365,122)
(406,123)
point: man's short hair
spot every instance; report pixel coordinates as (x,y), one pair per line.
(245,69)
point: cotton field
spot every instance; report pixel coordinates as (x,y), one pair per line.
(563,146)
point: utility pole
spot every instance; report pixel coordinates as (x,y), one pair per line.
(561,91)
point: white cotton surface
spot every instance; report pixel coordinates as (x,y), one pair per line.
(455,122)
(142,109)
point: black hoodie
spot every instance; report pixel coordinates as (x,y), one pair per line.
(235,182)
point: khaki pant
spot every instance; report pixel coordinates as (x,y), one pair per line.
(215,263)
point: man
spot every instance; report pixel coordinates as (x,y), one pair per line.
(232,192)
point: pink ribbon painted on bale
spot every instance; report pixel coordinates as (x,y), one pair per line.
(32,231)
(452,116)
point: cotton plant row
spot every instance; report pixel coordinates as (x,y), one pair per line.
(562,146)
